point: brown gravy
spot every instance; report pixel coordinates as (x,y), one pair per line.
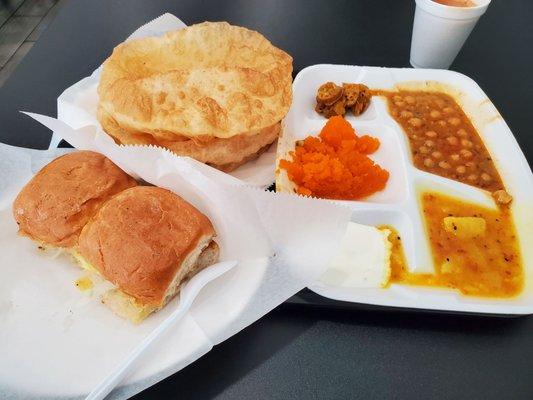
(443,141)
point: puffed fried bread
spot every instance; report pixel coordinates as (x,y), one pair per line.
(192,86)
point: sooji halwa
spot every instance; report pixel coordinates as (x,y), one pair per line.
(442,138)
(335,165)
(475,249)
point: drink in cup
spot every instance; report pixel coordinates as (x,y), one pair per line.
(440,29)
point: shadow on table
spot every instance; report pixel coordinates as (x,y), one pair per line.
(229,362)
(402,318)
(223,366)
(418,320)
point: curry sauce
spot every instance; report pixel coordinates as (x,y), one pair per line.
(475,249)
(442,138)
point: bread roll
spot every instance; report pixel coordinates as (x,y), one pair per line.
(147,241)
(59,200)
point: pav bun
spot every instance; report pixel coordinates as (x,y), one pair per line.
(147,241)
(58,201)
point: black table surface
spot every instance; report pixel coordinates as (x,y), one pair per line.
(298,351)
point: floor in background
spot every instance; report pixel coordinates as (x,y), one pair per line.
(21,24)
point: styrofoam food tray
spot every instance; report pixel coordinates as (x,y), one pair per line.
(398,204)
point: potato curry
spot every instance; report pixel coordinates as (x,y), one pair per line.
(475,249)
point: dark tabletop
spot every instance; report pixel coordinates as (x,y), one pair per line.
(303,351)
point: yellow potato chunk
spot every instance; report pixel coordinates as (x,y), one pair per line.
(465,227)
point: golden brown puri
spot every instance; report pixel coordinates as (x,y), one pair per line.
(224,154)
(142,239)
(207,81)
(59,200)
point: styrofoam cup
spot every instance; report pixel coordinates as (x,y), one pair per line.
(440,31)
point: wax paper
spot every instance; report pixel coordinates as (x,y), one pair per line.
(58,342)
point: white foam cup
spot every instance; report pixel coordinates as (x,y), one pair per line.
(440,31)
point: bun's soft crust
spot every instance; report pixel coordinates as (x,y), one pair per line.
(141,238)
(58,201)
(205,82)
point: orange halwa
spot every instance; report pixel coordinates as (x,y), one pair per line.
(335,164)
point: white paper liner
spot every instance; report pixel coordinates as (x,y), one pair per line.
(56,341)
(77,107)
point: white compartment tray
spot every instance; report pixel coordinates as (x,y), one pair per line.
(398,204)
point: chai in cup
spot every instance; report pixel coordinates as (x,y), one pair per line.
(457,3)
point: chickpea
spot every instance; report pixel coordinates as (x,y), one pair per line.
(454,157)
(466,143)
(454,121)
(431,134)
(416,122)
(461,169)
(444,164)
(399,103)
(442,122)
(434,114)
(428,162)
(406,114)
(440,103)
(461,132)
(470,164)
(397,98)
(466,153)
(452,140)
(502,197)
(423,150)
(436,154)
(448,110)
(486,177)
(472,177)
(429,143)
(410,99)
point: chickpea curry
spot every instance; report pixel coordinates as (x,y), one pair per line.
(443,140)
(475,249)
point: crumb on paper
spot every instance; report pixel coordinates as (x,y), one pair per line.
(84,283)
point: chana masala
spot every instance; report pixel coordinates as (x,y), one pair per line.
(335,165)
(475,249)
(442,138)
